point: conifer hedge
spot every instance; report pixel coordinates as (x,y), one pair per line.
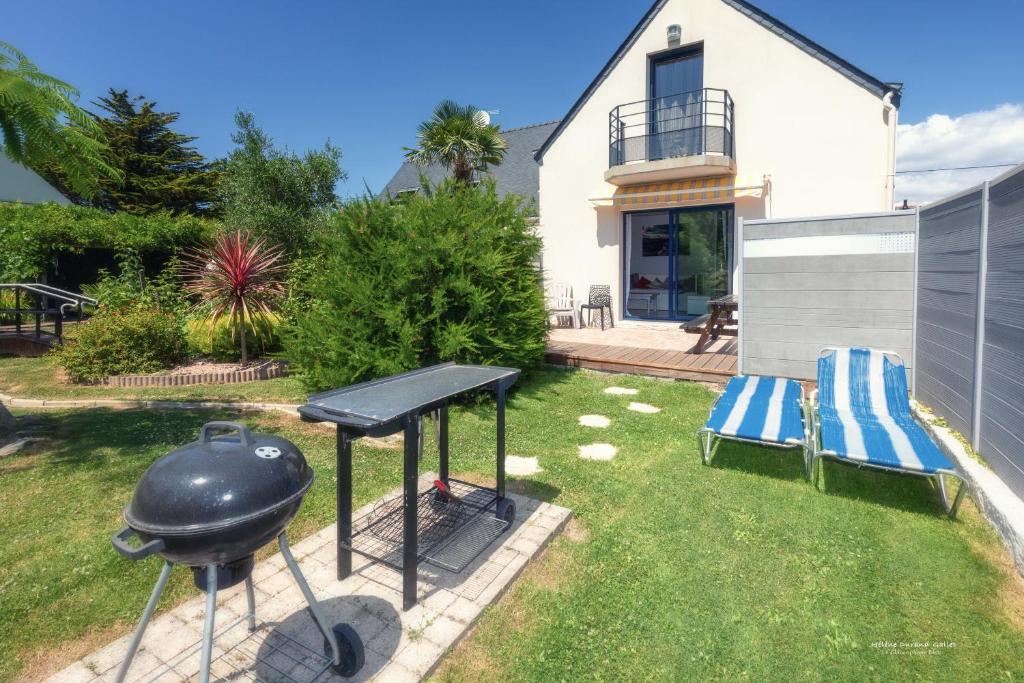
(451,274)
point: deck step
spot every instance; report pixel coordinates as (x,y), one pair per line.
(709,366)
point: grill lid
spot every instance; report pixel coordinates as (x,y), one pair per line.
(218,482)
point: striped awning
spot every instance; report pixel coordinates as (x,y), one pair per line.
(693,190)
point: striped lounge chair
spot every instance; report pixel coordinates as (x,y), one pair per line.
(864,418)
(762,410)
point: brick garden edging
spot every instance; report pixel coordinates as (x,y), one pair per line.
(131,404)
(268,370)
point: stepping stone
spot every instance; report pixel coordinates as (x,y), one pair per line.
(599,421)
(620,391)
(521,467)
(598,451)
(643,408)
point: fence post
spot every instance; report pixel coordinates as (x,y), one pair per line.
(979,348)
(913,313)
(739,294)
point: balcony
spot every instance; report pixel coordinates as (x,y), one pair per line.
(679,136)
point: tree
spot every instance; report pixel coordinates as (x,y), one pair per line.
(41,125)
(239,278)
(460,139)
(277,193)
(161,170)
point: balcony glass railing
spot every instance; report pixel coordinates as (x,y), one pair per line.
(688,124)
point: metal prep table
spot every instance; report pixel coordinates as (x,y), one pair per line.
(398,403)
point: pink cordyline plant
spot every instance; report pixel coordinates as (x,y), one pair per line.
(239,277)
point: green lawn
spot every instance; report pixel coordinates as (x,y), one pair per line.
(670,570)
(42,378)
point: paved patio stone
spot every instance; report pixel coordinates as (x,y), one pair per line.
(599,421)
(400,646)
(621,391)
(598,451)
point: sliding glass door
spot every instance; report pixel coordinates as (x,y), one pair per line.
(676,261)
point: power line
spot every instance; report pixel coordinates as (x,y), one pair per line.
(961,168)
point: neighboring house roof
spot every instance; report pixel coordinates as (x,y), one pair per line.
(517,173)
(774,25)
(21,184)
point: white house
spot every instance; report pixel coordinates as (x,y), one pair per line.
(709,111)
(21,184)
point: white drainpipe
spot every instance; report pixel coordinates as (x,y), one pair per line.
(890,151)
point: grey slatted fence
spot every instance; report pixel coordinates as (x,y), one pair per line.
(1000,434)
(949,238)
(969,344)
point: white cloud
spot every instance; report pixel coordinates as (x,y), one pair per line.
(995,136)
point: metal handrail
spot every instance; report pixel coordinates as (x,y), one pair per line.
(41,309)
(53,292)
(698,122)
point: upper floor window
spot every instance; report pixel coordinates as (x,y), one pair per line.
(678,73)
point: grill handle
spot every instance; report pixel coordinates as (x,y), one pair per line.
(120,541)
(219,425)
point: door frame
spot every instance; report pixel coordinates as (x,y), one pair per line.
(673,293)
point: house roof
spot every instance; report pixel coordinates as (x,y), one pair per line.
(858,76)
(517,173)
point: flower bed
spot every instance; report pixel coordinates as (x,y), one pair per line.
(215,374)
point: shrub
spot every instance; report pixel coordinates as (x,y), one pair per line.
(223,346)
(127,289)
(121,341)
(450,275)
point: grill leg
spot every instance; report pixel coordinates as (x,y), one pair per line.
(410,550)
(500,444)
(314,606)
(250,595)
(442,443)
(211,614)
(344,502)
(158,589)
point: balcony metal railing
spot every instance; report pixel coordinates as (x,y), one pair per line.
(687,124)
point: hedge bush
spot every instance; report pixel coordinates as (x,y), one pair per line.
(448,275)
(32,235)
(122,341)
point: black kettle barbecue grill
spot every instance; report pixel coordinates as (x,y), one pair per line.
(210,505)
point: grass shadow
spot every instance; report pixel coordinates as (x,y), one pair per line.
(531,488)
(906,492)
(778,463)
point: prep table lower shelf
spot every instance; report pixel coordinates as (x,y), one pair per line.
(450,535)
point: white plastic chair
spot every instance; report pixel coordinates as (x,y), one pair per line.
(561,303)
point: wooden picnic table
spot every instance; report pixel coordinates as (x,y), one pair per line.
(722,320)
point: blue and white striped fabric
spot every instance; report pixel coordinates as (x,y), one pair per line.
(759,409)
(864,413)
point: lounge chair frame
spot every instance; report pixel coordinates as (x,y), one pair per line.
(938,476)
(707,439)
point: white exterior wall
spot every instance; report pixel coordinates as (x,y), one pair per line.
(20,184)
(823,139)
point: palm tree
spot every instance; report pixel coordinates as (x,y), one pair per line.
(460,138)
(40,123)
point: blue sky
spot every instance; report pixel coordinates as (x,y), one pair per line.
(365,73)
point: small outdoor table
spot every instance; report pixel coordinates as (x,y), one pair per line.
(720,321)
(398,403)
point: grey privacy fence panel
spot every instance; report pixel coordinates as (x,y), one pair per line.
(808,283)
(1000,437)
(949,238)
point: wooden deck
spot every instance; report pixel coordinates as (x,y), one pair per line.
(711,366)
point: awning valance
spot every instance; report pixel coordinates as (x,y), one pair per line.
(693,190)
